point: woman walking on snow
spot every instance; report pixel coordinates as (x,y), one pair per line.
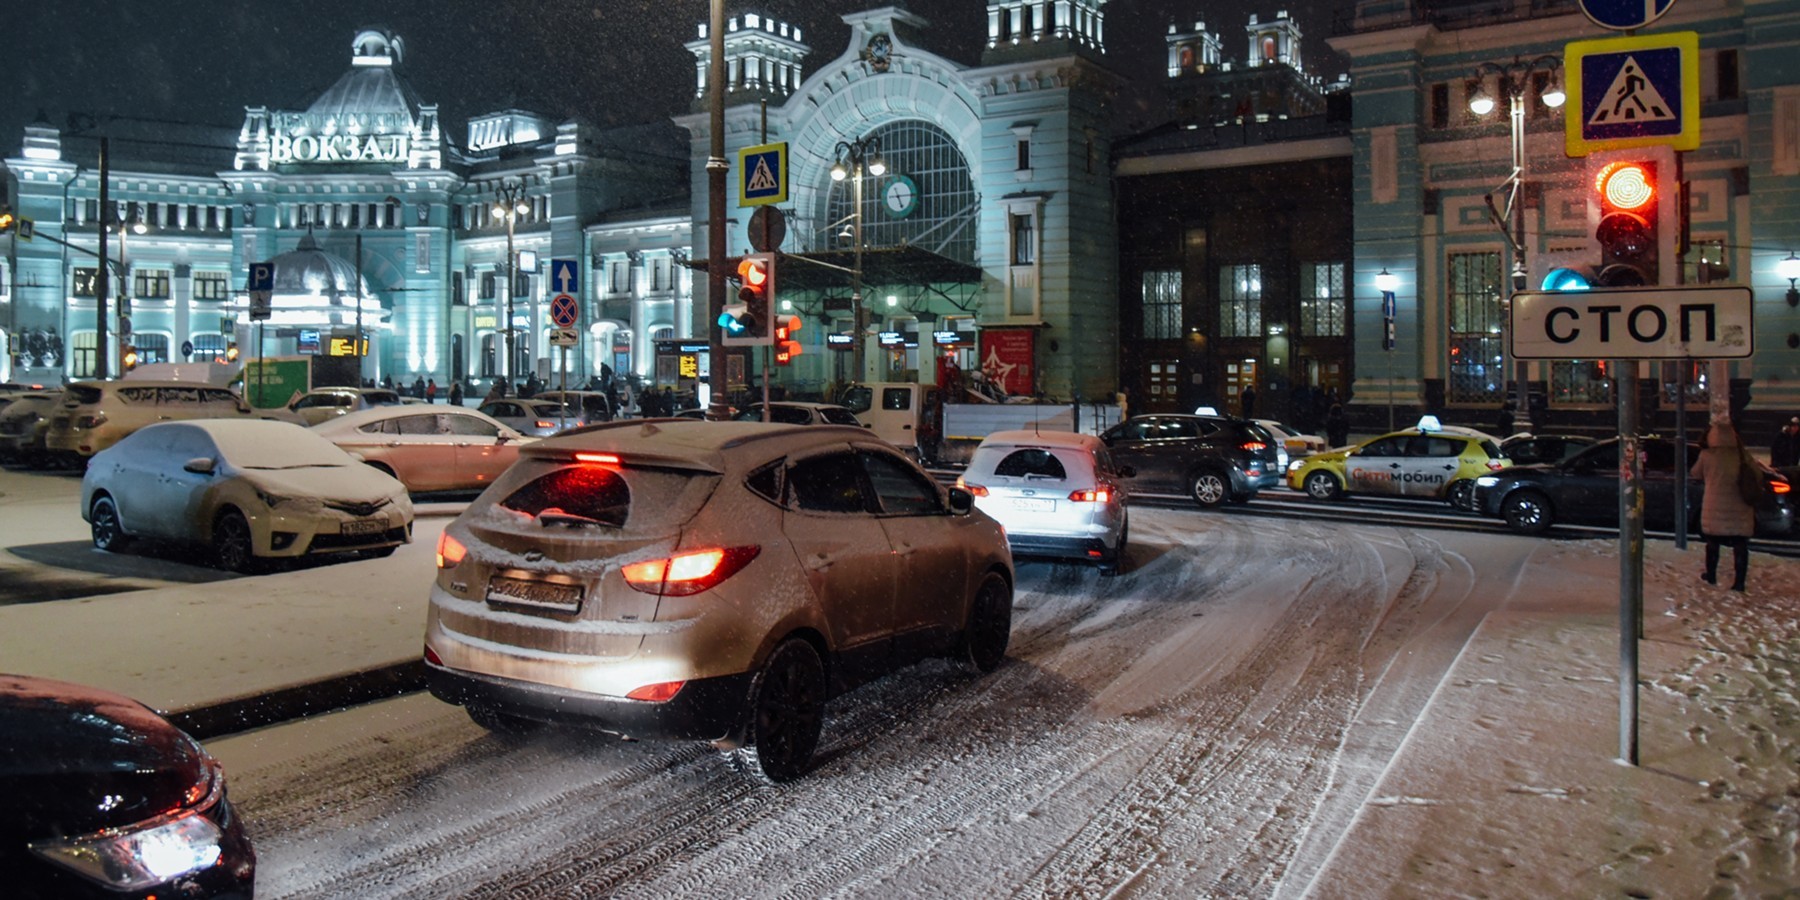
(1725,515)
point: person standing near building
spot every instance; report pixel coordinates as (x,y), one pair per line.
(456,393)
(1337,426)
(431,390)
(1725,515)
(418,387)
(1247,401)
(1784,451)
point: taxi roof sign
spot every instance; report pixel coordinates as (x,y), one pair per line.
(1629,92)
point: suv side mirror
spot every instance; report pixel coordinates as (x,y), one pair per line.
(200,465)
(961,501)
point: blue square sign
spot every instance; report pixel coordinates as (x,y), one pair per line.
(1633,92)
(762,175)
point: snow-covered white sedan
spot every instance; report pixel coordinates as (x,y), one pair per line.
(251,489)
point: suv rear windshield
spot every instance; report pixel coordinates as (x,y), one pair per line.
(553,493)
(1028,462)
(77,394)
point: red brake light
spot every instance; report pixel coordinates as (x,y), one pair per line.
(544,423)
(1493,465)
(1255,445)
(1100,495)
(657,693)
(688,573)
(1780,487)
(599,459)
(450,551)
(975,489)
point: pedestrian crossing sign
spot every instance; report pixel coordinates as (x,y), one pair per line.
(762,175)
(1633,92)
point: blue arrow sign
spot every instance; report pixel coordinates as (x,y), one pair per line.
(565,276)
(1624,15)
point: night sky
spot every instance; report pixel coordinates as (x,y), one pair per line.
(606,61)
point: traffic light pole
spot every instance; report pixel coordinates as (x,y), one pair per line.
(716,167)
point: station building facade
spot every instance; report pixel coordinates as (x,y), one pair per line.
(368,177)
(1425,165)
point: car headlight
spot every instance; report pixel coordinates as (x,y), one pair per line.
(271,500)
(138,859)
(1486,481)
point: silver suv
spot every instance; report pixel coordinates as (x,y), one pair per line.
(708,580)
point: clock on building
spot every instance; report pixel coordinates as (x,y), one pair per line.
(900,196)
(879,51)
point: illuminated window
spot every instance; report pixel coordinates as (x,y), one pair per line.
(208,346)
(1162,304)
(150,284)
(1472,284)
(1324,299)
(934,209)
(1240,300)
(1024,242)
(212,286)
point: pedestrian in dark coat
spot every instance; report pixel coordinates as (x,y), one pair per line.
(418,387)
(456,394)
(1247,401)
(1337,426)
(1784,451)
(1503,424)
(1725,515)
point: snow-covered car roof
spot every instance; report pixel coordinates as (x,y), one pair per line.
(696,443)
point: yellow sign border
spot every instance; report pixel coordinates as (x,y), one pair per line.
(1688,42)
(781,155)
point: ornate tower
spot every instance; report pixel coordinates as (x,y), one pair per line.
(762,60)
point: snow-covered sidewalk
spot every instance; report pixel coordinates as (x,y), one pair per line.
(1510,784)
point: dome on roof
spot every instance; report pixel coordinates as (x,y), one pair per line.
(371,87)
(309,271)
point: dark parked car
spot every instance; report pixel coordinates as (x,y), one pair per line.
(1210,458)
(105,798)
(1531,449)
(1584,490)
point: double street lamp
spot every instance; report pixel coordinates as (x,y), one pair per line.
(854,158)
(1515,79)
(509,205)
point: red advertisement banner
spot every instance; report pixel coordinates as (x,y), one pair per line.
(1009,357)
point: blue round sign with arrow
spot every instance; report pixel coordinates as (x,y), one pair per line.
(1624,15)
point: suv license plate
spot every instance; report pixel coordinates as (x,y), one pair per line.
(363,526)
(529,592)
(1034,505)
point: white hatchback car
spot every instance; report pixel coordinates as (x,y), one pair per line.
(1057,493)
(252,489)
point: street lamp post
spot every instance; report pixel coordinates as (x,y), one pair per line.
(131,225)
(853,158)
(509,205)
(1514,79)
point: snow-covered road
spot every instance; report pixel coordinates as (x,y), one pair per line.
(1206,725)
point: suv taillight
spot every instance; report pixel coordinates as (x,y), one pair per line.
(94,420)
(450,551)
(688,573)
(1780,487)
(974,489)
(1253,446)
(1493,465)
(1098,495)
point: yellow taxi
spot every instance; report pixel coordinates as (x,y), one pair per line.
(1429,460)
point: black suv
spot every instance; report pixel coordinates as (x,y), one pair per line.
(1210,458)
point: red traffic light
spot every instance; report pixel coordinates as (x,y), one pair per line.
(1626,185)
(753,272)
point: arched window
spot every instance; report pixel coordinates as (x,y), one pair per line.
(926,197)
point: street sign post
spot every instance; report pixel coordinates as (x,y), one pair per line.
(565,276)
(262,289)
(564,311)
(1694,322)
(1624,15)
(1628,92)
(762,174)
